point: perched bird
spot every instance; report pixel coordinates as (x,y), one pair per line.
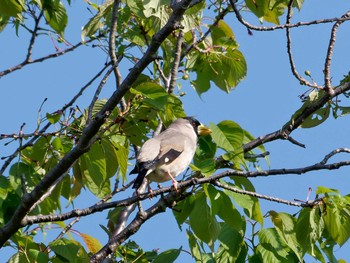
(169,153)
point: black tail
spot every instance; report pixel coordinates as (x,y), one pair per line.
(139,178)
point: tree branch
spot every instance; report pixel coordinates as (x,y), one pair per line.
(111,44)
(283,26)
(260,196)
(289,51)
(37,134)
(89,131)
(54,55)
(327,65)
(297,121)
(135,225)
(176,63)
(183,185)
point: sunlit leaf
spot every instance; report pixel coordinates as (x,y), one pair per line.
(56,15)
(262,10)
(285,226)
(91,243)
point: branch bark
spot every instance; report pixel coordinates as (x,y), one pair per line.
(89,132)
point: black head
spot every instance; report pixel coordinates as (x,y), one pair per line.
(194,122)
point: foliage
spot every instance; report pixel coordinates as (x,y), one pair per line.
(91,150)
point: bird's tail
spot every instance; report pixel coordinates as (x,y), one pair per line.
(139,178)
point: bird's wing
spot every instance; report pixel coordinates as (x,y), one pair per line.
(149,151)
(171,147)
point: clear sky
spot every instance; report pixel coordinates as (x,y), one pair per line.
(261,104)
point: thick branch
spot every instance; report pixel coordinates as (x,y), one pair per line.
(296,122)
(89,132)
(322,165)
(135,225)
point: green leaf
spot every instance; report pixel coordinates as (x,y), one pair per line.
(37,256)
(250,204)
(203,224)
(337,218)
(3,22)
(309,228)
(318,117)
(56,15)
(231,240)
(205,167)
(183,209)
(222,206)
(228,135)
(285,226)
(274,247)
(54,117)
(168,256)
(9,206)
(155,95)
(262,10)
(4,187)
(226,67)
(222,35)
(195,248)
(206,148)
(96,23)
(11,8)
(93,167)
(68,250)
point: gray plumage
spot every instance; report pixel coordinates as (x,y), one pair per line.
(168,154)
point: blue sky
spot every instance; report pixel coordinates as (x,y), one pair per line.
(261,104)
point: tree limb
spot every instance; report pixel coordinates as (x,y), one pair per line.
(89,131)
(327,65)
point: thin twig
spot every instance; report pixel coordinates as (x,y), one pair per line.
(327,65)
(283,26)
(176,63)
(111,44)
(97,94)
(289,51)
(43,130)
(54,55)
(219,17)
(29,220)
(334,152)
(34,35)
(254,194)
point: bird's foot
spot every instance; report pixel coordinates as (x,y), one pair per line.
(175,184)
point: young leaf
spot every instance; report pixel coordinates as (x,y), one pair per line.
(92,243)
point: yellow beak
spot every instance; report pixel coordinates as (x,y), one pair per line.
(203,130)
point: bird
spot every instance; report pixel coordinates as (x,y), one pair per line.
(169,153)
